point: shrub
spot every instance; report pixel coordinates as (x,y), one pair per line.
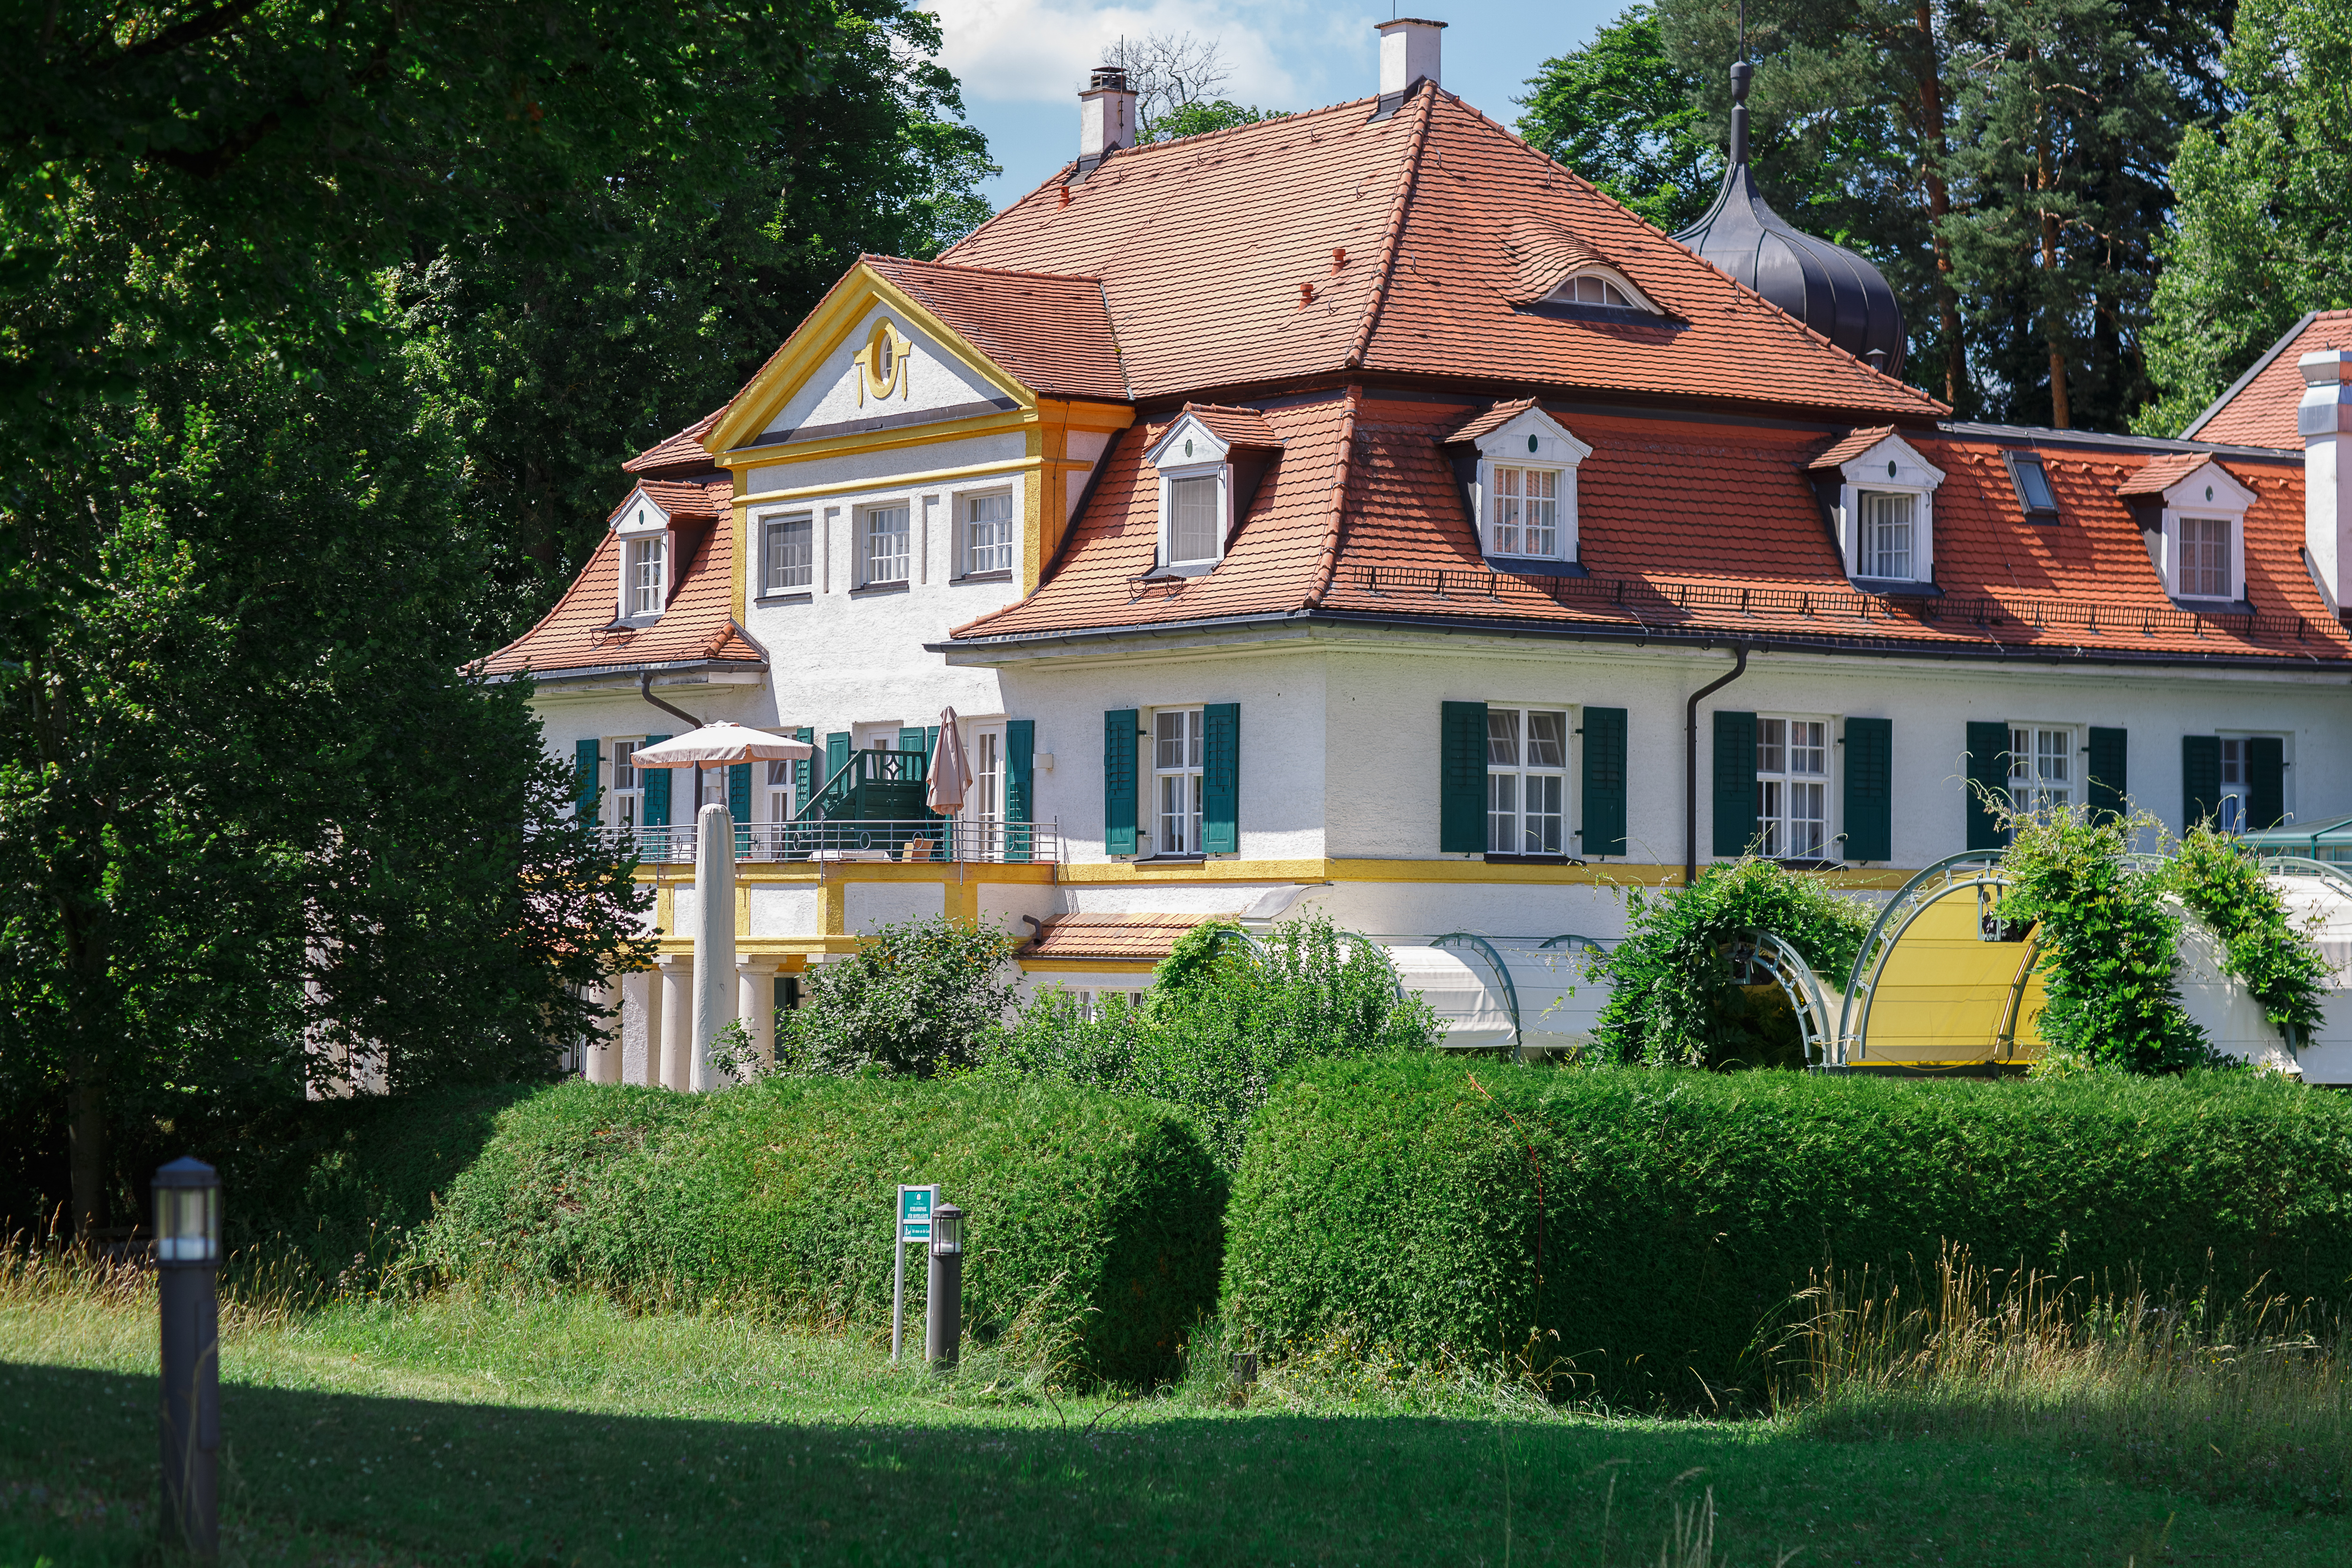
(1646,1225)
(1223,1021)
(920,997)
(2226,888)
(1672,1002)
(2109,940)
(779,1196)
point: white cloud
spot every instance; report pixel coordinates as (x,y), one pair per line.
(1284,54)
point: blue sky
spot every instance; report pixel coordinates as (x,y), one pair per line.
(1022,62)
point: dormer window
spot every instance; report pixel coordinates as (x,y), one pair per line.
(1195,512)
(1882,494)
(1524,492)
(2206,558)
(2196,528)
(1602,287)
(1210,462)
(647,576)
(1526,512)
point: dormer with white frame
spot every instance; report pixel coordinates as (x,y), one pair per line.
(1523,490)
(2196,528)
(1603,288)
(1210,462)
(1881,495)
(648,560)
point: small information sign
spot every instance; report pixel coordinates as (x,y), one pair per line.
(915,1204)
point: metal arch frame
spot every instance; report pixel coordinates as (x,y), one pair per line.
(1750,949)
(2305,865)
(1909,902)
(1485,950)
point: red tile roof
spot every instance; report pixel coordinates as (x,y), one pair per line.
(1362,515)
(679,454)
(1847,449)
(698,628)
(2160,474)
(1493,419)
(1233,427)
(1149,937)
(1201,245)
(2259,411)
(1051,330)
(1543,252)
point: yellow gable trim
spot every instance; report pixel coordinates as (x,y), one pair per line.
(821,332)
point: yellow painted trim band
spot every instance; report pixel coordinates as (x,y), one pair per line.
(896,482)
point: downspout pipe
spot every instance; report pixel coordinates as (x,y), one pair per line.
(646,690)
(1690,762)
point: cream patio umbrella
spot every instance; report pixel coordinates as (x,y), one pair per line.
(721,742)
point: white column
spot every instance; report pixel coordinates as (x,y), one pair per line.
(602,1063)
(644,988)
(755,1004)
(714,935)
(677,1020)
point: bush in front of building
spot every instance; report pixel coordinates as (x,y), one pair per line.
(918,998)
(1225,1020)
(1672,1002)
(1097,1213)
(1641,1233)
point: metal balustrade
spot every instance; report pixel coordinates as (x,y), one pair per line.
(909,841)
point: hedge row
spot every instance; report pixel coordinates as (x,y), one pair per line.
(1083,1206)
(1680,1210)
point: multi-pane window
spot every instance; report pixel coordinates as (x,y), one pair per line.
(1527,781)
(1191,520)
(2204,558)
(645,573)
(780,791)
(628,792)
(1792,788)
(988,534)
(1888,527)
(790,560)
(1176,779)
(2235,784)
(2041,768)
(1591,290)
(1526,512)
(986,801)
(887,552)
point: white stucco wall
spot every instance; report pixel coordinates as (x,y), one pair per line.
(830,394)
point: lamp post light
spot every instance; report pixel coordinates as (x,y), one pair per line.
(944,1302)
(187,1253)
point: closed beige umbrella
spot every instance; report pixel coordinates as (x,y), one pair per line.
(951,774)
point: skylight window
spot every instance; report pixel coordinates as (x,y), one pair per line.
(2034,496)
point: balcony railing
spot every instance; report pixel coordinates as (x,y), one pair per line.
(910,841)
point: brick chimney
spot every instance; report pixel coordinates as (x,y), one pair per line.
(1106,119)
(2323,419)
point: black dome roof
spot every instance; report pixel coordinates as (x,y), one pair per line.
(1829,288)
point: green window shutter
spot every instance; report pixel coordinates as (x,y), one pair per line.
(1869,789)
(2265,782)
(1221,778)
(800,785)
(1604,827)
(1020,783)
(837,755)
(739,792)
(657,782)
(1121,731)
(2109,787)
(910,739)
(1735,782)
(1987,771)
(583,778)
(1461,779)
(2201,779)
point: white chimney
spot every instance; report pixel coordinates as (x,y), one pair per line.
(2323,419)
(1408,53)
(1105,117)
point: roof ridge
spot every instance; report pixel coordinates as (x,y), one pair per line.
(1327,560)
(994,271)
(1384,269)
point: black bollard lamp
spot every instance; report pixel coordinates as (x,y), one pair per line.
(187,1213)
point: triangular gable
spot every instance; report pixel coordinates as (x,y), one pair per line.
(1523,430)
(1881,456)
(2188,480)
(1208,435)
(826,372)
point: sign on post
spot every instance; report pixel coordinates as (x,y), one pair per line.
(915,1205)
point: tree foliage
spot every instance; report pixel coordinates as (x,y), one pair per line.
(918,997)
(2225,887)
(1623,113)
(1672,1002)
(2259,236)
(1200,119)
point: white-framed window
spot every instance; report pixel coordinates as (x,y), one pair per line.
(1523,515)
(1792,788)
(1099,1002)
(790,553)
(1195,513)
(888,556)
(1594,286)
(987,528)
(2043,774)
(1176,781)
(1889,520)
(644,576)
(625,800)
(2207,549)
(778,792)
(2237,782)
(1527,781)
(983,803)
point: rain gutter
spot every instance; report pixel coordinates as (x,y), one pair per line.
(1690,764)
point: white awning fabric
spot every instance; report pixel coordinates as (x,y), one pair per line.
(1465,997)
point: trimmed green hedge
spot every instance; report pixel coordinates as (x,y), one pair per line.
(1080,1205)
(1680,1209)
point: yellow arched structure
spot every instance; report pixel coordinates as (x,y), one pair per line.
(1940,983)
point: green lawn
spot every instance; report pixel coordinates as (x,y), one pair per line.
(566,1432)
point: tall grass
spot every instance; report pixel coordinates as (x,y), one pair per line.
(2243,1400)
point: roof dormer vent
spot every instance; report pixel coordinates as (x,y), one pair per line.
(1106,118)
